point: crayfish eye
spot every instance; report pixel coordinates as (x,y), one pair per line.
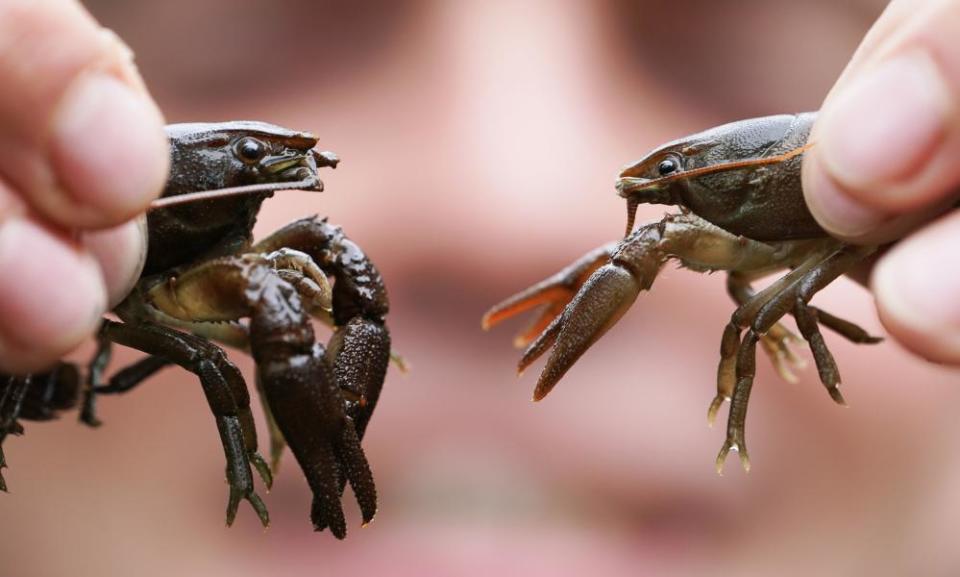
(250,149)
(668,166)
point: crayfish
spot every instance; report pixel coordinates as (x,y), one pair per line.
(205,280)
(741,210)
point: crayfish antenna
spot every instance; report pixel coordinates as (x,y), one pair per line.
(632,204)
(247,189)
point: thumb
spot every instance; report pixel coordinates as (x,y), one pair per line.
(80,139)
(885,161)
(888,136)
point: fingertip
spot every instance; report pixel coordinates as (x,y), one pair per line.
(51,296)
(881,131)
(83,141)
(885,146)
(916,286)
(832,206)
(108,150)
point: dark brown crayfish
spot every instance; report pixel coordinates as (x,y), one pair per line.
(741,210)
(206,280)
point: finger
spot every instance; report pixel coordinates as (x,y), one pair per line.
(80,138)
(51,295)
(120,252)
(889,133)
(917,284)
(853,221)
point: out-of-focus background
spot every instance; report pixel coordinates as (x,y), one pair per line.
(479,142)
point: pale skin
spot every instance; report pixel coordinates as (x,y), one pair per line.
(83,153)
(888,137)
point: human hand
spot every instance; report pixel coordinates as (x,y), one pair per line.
(82,152)
(887,158)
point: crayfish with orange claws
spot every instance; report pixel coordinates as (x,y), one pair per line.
(206,280)
(741,210)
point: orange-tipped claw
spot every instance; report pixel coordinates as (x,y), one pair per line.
(554,292)
(599,304)
(548,292)
(571,323)
(544,341)
(537,327)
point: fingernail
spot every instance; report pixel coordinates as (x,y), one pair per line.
(885,125)
(108,146)
(841,215)
(51,296)
(917,284)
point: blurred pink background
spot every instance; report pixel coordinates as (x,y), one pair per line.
(479,141)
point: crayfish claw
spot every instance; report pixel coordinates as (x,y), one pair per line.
(328,514)
(327,510)
(554,292)
(599,304)
(343,462)
(357,472)
(318,423)
(547,291)
(359,353)
(607,280)
(541,323)
(541,345)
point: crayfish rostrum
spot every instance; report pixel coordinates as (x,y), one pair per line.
(741,210)
(205,280)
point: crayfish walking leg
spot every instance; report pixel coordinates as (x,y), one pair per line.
(788,295)
(36,397)
(11,400)
(226,394)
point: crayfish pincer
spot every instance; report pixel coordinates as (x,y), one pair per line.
(742,211)
(205,280)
